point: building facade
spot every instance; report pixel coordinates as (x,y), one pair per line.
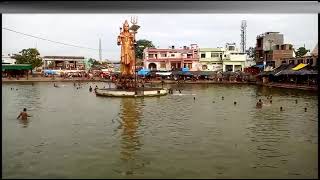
(171,58)
(265,42)
(211,59)
(309,58)
(7,59)
(233,59)
(274,56)
(64,62)
(224,59)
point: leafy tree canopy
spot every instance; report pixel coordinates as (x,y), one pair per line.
(141,45)
(301,52)
(29,56)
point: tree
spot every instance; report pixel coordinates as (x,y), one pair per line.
(29,56)
(139,62)
(251,52)
(301,52)
(141,45)
(96,63)
(91,61)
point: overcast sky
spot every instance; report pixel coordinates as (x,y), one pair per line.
(206,30)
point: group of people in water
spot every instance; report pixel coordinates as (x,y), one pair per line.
(269,98)
(95,89)
(24,115)
(260,103)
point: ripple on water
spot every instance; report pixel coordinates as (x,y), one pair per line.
(171,136)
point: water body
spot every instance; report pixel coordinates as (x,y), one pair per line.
(74,134)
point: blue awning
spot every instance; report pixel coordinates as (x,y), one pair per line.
(143,72)
(259,66)
(49,71)
(186,69)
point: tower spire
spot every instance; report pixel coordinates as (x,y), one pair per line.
(100,53)
(243,36)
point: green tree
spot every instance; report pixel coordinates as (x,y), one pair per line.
(141,45)
(29,56)
(139,62)
(251,52)
(301,52)
(91,61)
(96,63)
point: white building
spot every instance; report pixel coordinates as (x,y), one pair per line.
(211,59)
(227,58)
(6,58)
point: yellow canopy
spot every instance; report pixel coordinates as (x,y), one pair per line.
(300,66)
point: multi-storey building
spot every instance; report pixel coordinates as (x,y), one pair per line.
(224,59)
(7,59)
(171,58)
(233,59)
(265,42)
(309,58)
(273,57)
(211,58)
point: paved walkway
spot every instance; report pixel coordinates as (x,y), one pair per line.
(57,79)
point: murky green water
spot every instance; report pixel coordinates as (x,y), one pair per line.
(74,134)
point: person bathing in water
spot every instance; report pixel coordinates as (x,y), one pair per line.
(24,115)
(259,104)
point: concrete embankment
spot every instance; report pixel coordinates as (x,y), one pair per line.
(278,85)
(48,80)
(290,86)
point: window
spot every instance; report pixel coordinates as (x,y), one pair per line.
(163,55)
(231,48)
(310,61)
(300,61)
(284,62)
(291,61)
(229,68)
(204,67)
(214,55)
(162,65)
(172,55)
(151,55)
(203,55)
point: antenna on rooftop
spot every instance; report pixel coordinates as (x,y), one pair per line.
(100,52)
(243,36)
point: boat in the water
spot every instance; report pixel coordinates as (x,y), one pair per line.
(139,92)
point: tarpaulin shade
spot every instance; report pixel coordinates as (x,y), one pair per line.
(300,66)
(164,73)
(16,67)
(143,72)
(185,69)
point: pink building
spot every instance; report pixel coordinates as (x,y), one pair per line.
(169,59)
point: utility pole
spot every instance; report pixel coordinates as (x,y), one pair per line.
(100,53)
